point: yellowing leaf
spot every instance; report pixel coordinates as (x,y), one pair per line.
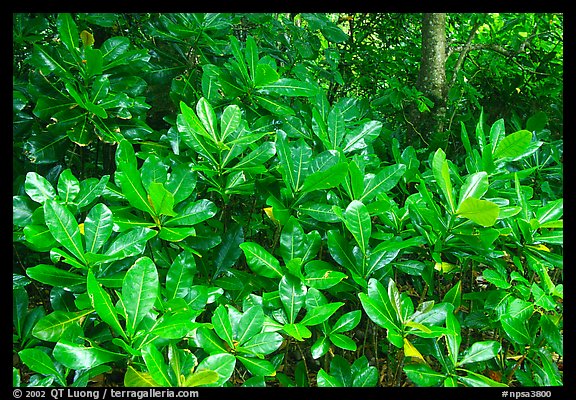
(87,38)
(81,227)
(270,213)
(540,246)
(444,267)
(411,351)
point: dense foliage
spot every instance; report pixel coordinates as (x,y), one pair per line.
(246,200)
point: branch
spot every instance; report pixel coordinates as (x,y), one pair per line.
(463,54)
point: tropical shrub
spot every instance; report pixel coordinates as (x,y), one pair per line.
(264,231)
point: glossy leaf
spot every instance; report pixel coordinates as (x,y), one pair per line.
(103,305)
(362,136)
(130,243)
(52,326)
(358,222)
(382,182)
(319,314)
(222,325)
(250,324)
(201,378)
(53,276)
(68,31)
(134,378)
(423,375)
(97,227)
(476,185)
(347,322)
(223,364)
(257,366)
(40,362)
(262,343)
(260,261)
(480,351)
(193,213)
(325,179)
(483,212)
(180,276)
(156,366)
(139,292)
(441,172)
(513,145)
(290,87)
(38,188)
(68,186)
(64,228)
(77,356)
(292,295)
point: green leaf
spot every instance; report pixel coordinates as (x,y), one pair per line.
(161,199)
(251,53)
(340,250)
(68,32)
(40,362)
(156,366)
(193,213)
(343,341)
(38,188)
(153,171)
(292,295)
(180,276)
(274,106)
(325,380)
(325,179)
(131,185)
(52,326)
(97,227)
(362,136)
(515,329)
(262,343)
(53,276)
(480,351)
(378,305)
(130,243)
(181,182)
(64,228)
(441,173)
(134,378)
(250,324)
(260,261)
(552,334)
(229,121)
(294,160)
(192,131)
(290,87)
(454,296)
(513,145)
(223,364)
(483,212)
(423,375)
(77,356)
(297,331)
(476,380)
(201,378)
(257,367)
(357,220)
(265,75)
(292,240)
(347,322)
(103,305)
(207,116)
(476,185)
(68,186)
(222,325)
(336,127)
(321,278)
(139,291)
(382,182)
(39,238)
(319,314)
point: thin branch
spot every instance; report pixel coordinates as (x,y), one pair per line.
(463,54)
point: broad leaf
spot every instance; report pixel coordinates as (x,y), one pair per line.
(77,356)
(40,362)
(38,188)
(156,366)
(476,185)
(480,351)
(292,295)
(64,228)
(513,145)
(52,326)
(97,227)
(180,276)
(223,364)
(423,375)
(139,292)
(222,325)
(382,182)
(103,305)
(53,276)
(290,87)
(358,222)
(483,212)
(260,261)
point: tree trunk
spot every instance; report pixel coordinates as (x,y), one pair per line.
(432,75)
